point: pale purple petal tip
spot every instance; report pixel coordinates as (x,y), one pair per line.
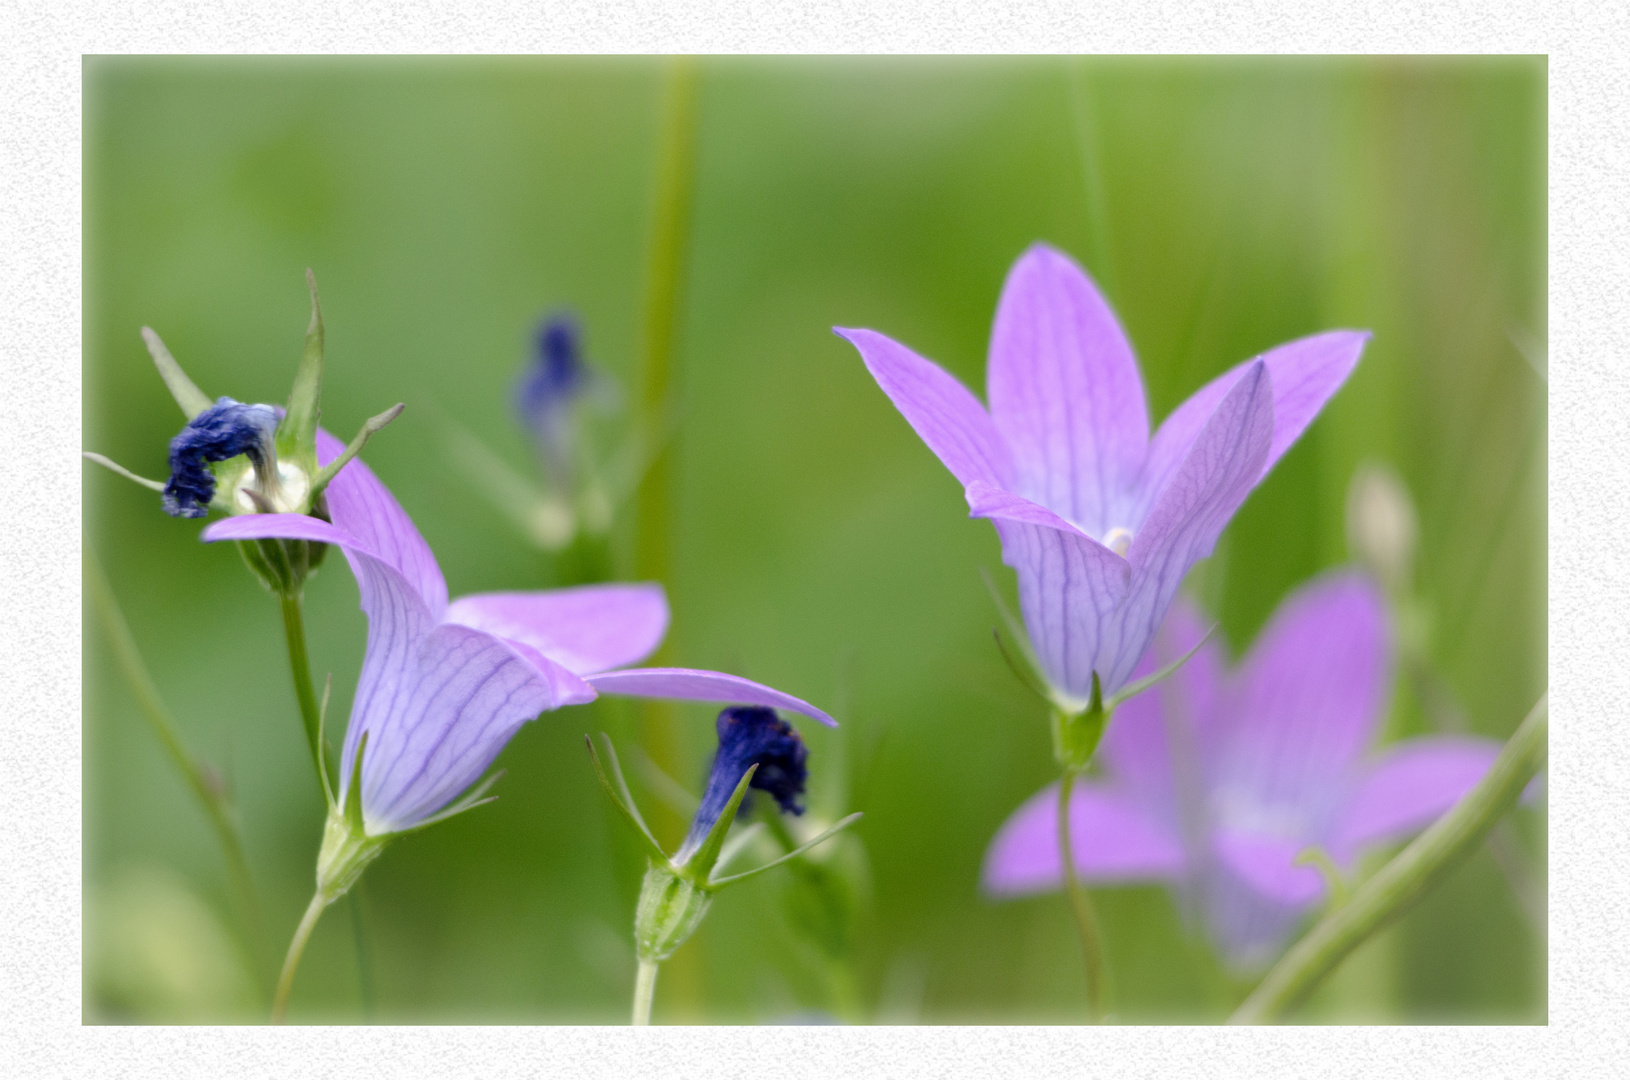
(585,629)
(1311,691)
(942,411)
(1065,392)
(1410,786)
(686,684)
(1110,836)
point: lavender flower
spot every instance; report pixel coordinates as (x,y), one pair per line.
(1100,522)
(1216,780)
(445,685)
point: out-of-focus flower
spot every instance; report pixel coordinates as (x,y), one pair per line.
(1100,522)
(547,394)
(1215,781)
(445,685)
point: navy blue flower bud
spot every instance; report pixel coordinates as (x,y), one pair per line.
(750,735)
(225,430)
(554,378)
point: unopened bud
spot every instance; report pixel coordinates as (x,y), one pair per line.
(1381,526)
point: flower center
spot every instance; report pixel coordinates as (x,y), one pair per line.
(285,491)
(1118,540)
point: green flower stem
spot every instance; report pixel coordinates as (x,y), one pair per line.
(1086,923)
(205,786)
(1402,881)
(666,259)
(294,630)
(645,984)
(302,934)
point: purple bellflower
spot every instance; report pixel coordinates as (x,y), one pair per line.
(445,685)
(1216,780)
(1100,521)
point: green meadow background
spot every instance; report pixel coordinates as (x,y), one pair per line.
(816,544)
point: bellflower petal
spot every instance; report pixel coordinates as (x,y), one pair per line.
(1267,864)
(1222,467)
(1111,836)
(1070,586)
(1305,374)
(942,411)
(584,629)
(1409,786)
(1163,743)
(1311,692)
(1065,392)
(365,508)
(686,684)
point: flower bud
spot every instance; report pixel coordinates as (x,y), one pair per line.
(1381,526)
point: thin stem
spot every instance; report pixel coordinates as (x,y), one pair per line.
(365,970)
(1409,876)
(294,630)
(205,786)
(645,985)
(1086,923)
(667,258)
(302,933)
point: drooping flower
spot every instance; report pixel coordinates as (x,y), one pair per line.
(445,685)
(1100,522)
(225,430)
(1216,780)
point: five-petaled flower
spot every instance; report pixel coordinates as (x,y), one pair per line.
(1215,781)
(1100,521)
(445,685)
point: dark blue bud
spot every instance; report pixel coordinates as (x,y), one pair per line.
(751,735)
(556,374)
(224,430)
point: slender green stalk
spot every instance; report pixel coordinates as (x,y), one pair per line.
(297,946)
(666,260)
(365,967)
(205,786)
(294,630)
(1086,923)
(1405,879)
(645,985)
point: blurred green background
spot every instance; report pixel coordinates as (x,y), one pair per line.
(817,545)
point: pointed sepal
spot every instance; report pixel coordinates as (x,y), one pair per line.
(114,466)
(369,428)
(731,879)
(187,395)
(700,864)
(297,434)
(1133,689)
(617,791)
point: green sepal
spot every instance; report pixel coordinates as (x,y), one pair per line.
(347,848)
(621,797)
(187,395)
(114,466)
(369,429)
(1316,857)
(700,864)
(670,909)
(282,565)
(297,434)
(731,879)
(1076,734)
